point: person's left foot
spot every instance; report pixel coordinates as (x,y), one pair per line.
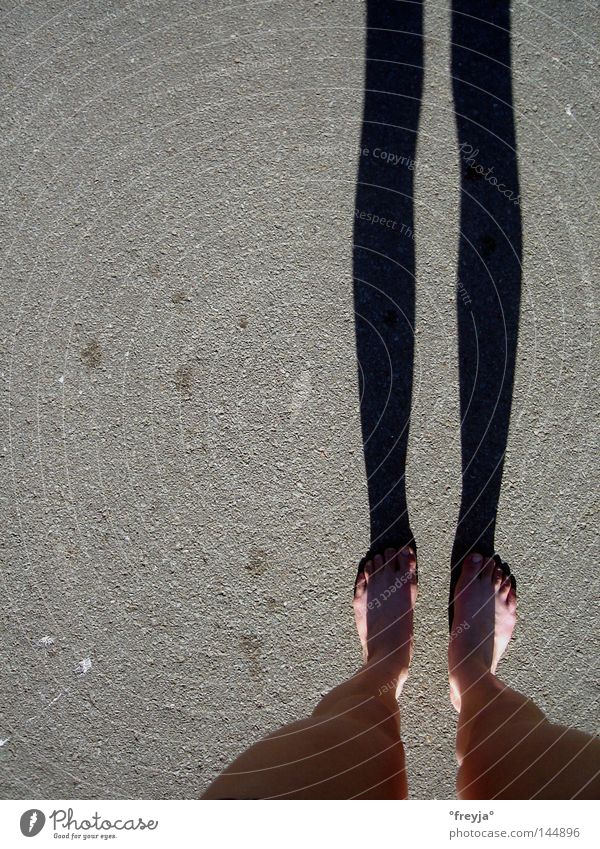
(384,599)
(485,612)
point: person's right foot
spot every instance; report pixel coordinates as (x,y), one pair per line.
(384,598)
(485,612)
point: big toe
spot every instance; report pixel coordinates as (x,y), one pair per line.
(470,570)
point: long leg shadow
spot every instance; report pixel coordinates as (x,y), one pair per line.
(489,273)
(384,257)
(489,265)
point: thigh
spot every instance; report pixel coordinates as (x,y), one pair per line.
(318,758)
(532,760)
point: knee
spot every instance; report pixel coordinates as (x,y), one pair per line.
(370,713)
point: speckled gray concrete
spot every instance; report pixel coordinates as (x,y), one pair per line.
(183,487)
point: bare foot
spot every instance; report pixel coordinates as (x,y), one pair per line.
(383,608)
(485,612)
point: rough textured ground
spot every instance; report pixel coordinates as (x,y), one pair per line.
(183,490)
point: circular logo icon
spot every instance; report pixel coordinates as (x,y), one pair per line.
(32,822)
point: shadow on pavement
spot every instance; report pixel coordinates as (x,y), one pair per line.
(489,264)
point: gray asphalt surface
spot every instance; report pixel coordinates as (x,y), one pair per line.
(183,489)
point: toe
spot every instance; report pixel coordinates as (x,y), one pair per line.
(472,564)
(390,558)
(487,573)
(511,595)
(368,570)
(377,563)
(505,587)
(408,562)
(498,577)
(408,556)
(469,570)
(361,585)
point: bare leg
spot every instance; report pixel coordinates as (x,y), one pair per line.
(505,746)
(350,747)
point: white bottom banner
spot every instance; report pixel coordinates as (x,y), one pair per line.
(290,824)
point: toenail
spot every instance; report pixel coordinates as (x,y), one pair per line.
(475,558)
(406,551)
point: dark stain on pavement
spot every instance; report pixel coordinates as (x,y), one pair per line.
(92,354)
